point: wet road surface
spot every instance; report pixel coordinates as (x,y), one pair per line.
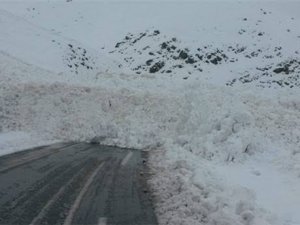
(75,183)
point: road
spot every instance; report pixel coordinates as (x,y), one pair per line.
(75,183)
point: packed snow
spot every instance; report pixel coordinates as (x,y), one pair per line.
(210,89)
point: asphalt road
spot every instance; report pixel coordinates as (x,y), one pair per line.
(75,183)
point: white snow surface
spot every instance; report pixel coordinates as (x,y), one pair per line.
(219,154)
(14,141)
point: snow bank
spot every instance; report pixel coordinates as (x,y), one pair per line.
(11,142)
(121,117)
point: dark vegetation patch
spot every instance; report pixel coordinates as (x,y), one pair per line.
(78,58)
(156,67)
(154,52)
(283,74)
(168,55)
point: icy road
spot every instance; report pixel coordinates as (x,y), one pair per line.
(75,183)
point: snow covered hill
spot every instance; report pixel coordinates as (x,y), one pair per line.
(47,48)
(210,88)
(255,43)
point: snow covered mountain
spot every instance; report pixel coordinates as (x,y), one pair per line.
(211,88)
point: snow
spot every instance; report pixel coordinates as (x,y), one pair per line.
(266,182)
(14,141)
(221,152)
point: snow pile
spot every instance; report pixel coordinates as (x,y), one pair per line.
(58,111)
(236,150)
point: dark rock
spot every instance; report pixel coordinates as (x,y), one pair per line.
(148,62)
(219,58)
(239,50)
(279,82)
(164,45)
(281,69)
(262,69)
(224,56)
(119,43)
(156,67)
(151,53)
(139,38)
(199,56)
(183,54)
(190,60)
(156,32)
(254,54)
(209,56)
(260,34)
(214,61)
(169,71)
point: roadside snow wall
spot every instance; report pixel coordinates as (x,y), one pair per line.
(210,122)
(117,117)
